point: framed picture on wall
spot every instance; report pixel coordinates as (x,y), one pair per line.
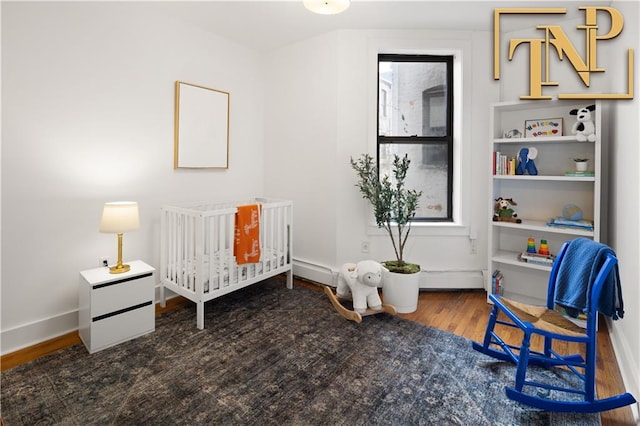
(201,127)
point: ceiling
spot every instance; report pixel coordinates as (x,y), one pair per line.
(267,24)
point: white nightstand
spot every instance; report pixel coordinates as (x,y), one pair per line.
(114,308)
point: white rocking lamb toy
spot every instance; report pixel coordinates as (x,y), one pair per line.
(359,282)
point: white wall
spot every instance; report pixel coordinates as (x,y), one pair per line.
(624,190)
(330,82)
(87,108)
(300,130)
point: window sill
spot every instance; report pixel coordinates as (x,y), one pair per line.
(427,229)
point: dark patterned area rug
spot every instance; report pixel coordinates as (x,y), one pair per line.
(272,356)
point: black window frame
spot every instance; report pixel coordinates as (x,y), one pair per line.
(424,140)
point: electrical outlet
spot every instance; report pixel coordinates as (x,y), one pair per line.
(104,261)
(364,246)
(474,246)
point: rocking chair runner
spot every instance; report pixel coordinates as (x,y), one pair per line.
(584,278)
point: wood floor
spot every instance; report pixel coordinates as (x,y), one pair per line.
(463,313)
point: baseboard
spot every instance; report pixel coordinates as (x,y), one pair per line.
(26,335)
(628,369)
(314,272)
(451,280)
(430,280)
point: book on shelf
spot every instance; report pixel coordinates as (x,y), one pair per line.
(503,165)
(536,258)
(575,173)
(497,282)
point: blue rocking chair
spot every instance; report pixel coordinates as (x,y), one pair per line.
(584,279)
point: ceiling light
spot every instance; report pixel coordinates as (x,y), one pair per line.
(326,7)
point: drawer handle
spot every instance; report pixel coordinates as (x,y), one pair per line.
(121,311)
(124,280)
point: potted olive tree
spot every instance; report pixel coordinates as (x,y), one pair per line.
(393,208)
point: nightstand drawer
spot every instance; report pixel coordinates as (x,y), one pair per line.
(111,297)
(118,328)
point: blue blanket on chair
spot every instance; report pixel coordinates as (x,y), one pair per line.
(576,276)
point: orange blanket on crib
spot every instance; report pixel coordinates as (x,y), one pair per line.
(246,246)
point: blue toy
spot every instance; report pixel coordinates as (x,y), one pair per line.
(572,212)
(526,157)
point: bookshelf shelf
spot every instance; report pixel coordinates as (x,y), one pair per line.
(547,178)
(545,140)
(542,227)
(511,258)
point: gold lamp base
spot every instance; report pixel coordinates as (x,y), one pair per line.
(118,269)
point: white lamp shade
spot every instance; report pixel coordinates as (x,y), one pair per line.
(120,217)
(327,7)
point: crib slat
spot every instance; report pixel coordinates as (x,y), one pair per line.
(214,229)
(230,236)
(221,249)
(179,249)
(198,253)
(187,259)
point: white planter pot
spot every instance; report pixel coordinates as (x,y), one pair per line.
(401,290)
(581,166)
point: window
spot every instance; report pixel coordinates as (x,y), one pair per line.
(415,116)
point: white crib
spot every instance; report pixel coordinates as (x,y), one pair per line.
(196,254)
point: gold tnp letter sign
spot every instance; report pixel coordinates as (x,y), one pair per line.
(555,37)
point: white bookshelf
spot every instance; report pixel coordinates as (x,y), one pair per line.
(544,195)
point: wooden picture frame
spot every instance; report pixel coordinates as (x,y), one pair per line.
(543,127)
(201,137)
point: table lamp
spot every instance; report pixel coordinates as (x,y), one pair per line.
(117,218)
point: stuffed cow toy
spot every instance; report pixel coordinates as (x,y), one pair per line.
(361,280)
